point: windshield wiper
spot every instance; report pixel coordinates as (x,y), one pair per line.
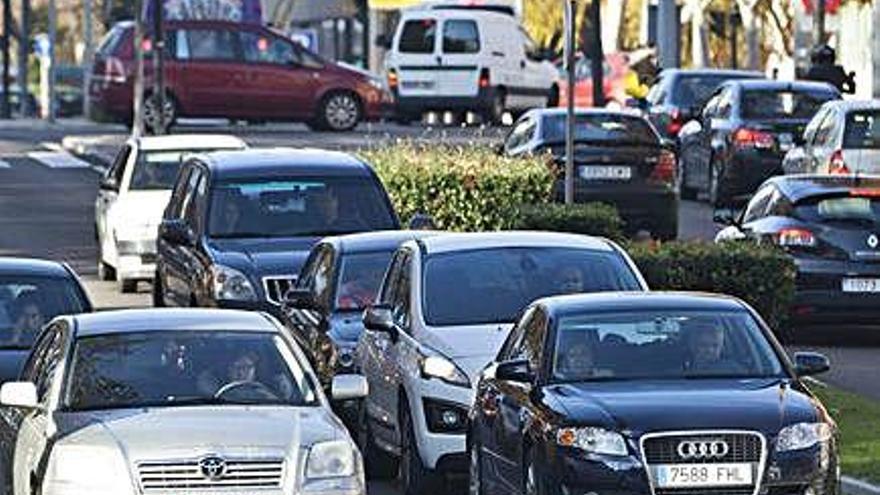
(240,235)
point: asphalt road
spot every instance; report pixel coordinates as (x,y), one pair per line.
(46,210)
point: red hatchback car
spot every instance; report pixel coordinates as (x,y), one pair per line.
(236,71)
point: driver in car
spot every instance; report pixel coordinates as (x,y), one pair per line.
(705,350)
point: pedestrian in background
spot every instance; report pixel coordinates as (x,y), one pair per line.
(823,68)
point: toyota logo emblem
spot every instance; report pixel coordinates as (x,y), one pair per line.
(873,241)
(702,449)
(212,467)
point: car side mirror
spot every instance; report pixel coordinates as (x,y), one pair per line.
(810,363)
(109,185)
(515,371)
(19,394)
(176,232)
(349,387)
(726,216)
(379,319)
(300,299)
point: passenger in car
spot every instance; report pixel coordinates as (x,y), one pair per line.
(577,362)
(571,280)
(27,316)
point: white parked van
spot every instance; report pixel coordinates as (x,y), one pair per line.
(468,59)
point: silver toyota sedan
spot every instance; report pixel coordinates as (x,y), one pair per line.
(173,401)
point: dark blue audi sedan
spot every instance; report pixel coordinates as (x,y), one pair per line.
(649,394)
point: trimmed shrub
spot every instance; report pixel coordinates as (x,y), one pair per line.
(463,188)
(596,219)
(761,275)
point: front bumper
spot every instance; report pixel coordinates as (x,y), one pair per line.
(819,291)
(136,259)
(416,105)
(445,452)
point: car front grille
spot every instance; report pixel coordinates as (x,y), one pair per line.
(277,286)
(744,447)
(189,475)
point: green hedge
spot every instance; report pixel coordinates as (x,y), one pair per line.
(596,219)
(463,188)
(763,276)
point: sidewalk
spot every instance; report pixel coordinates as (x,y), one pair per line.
(69,125)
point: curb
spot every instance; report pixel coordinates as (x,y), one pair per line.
(852,486)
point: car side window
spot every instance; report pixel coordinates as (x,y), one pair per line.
(187,207)
(758,205)
(307,273)
(711,108)
(260,48)
(779,205)
(824,133)
(117,170)
(725,105)
(179,194)
(460,36)
(208,44)
(400,303)
(389,285)
(531,345)
(813,126)
(47,355)
(514,340)
(521,133)
(195,216)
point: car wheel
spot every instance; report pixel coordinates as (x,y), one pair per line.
(158,295)
(379,465)
(339,111)
(415,478)
(495,112)
(127,286)
(151,114)
(475,471)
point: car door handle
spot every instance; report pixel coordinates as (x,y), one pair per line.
(498,54)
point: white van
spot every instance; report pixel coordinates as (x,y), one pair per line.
(467,59)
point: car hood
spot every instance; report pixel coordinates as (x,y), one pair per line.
(191,432)
(765,405)
(265,256)
(11,362)
(472,347)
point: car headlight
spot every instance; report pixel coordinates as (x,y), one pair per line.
(334,459)
(434,365)
(802,436)
(593,440)
(231,285)
(86,470)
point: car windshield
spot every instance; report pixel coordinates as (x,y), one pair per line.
(300,206)
(359,279)
(166,369)
(157,170)
(852,209)
(662,344)
(695,91)
(782,104)
(493,285)
(862,130)
(609,128)
(28,303)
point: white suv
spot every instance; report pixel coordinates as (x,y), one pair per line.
(445,307)
(469,59)
(132,197)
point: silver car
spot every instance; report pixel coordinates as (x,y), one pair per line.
(174,401)
(843,137)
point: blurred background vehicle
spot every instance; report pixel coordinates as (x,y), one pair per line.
(614,81)
(619,159)
(743,134)
(842,138)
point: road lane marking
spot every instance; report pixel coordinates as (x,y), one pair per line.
(4,164)
(56,159)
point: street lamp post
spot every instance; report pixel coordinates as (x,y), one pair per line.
(570,37)
(7,36)
(819,23)
(159,67)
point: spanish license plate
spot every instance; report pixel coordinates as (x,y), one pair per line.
(702,475)
(418,84)
(605,172)
(861,285)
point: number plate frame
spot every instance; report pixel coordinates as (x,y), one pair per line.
(703,475)
(860,285)
(616,173)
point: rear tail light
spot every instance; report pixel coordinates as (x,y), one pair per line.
(147,45)
(393,80)
(836,165)
(485,81)
(664,171)
(795,238)
(676,122)
(750,138)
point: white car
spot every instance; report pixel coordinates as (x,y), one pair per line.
(445,306)
(174,401)
(132,197)
(843,137)
(447,57)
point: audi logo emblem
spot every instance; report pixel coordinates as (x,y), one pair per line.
(703,449)
(873,241)
(212,467)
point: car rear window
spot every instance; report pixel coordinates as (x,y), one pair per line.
(862,130)
(418,36)
(781,104)
(460,36)
(848,209)
(693,91)
(601,127)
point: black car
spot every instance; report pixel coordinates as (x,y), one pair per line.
(679,94)
(338,281)
(240,224)
(649,394)
(32,292)
(743,134)
(619,159)
(830,225)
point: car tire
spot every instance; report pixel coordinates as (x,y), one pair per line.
(339,111)
(106,272)
(414,476)
(127,286)
(378,464)
(151,126)
(475,467)
(158,295)
(533,483)
(497,108)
